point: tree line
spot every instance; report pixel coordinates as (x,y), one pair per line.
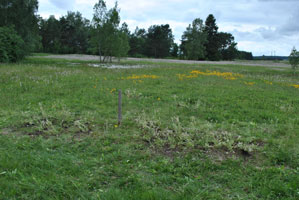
(23,31)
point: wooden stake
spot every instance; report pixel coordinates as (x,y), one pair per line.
(119,107)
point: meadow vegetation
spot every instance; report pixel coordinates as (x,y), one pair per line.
(188,131)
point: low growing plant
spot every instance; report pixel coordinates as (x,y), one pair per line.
(294,59)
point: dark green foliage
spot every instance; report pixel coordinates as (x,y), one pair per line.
(50,32)
(137,43)
(228,48)
(174,52)
(12,46)
(21,14)
(193,41)
(213,45)
(243,55)
(67,35)
(159,41)
(74,32)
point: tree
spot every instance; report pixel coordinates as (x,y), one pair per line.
(125,29)
(158,41)
(11,45)
(174,51)
(50,32)
(74,33)
(213,45)
(107,35)
(228,46)
(194,40)
(243,55)
(137,43)
(21,15)
(294,59)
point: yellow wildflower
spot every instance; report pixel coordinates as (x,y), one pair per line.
(184,76)
(249,83)
(226,75)
(144,76)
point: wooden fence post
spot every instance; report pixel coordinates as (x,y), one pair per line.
(119,107)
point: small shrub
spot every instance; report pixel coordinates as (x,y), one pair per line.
(11,45)
(294,59)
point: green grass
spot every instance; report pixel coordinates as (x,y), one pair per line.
(197,138)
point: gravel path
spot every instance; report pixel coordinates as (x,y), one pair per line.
(274,65)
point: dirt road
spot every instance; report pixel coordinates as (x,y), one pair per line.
(271,64)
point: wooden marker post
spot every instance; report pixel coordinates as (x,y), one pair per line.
(119,107)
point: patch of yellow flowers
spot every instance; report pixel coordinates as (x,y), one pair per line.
(144,76)
(184,76)
(249,83)
(225,75)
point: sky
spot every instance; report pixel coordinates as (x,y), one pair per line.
(263,27)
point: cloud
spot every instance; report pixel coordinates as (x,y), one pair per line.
(64,4)
(291,26)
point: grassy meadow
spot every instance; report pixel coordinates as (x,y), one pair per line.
(188,131)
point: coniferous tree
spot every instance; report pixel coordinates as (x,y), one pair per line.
(50,33)
(213,45)
(74,33)
(158,41)
(174,51)
(137,43)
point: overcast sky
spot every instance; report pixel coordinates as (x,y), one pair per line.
(263,27)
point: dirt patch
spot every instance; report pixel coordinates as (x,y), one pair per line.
(117,66)
(6,131)
(222,154)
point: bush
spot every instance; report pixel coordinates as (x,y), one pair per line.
(294,58)
(11,45)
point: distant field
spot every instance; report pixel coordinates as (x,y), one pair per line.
(189,131)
